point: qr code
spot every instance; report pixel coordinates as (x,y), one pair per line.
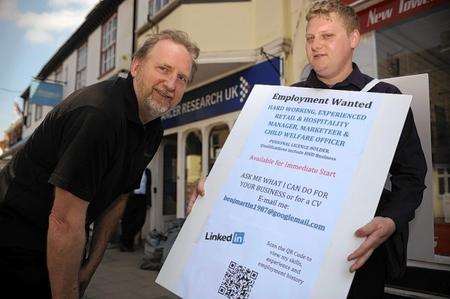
(237,282)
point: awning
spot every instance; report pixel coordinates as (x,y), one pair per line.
(214,65)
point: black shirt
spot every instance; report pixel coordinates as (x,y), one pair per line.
(407,170)
(93,145)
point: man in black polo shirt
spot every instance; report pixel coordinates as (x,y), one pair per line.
(89,150)
(331,37)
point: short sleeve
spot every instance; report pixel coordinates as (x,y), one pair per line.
(85,152)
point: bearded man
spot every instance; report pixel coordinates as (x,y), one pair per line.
(90,149)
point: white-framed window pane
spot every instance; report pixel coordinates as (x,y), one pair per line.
(77,80)
(37,112)
(155,6)
(112,24)
(81,79)
(109,33)
(58,73)
(82,57)
(441,186)
(151,7)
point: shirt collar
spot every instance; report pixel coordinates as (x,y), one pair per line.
(132,108)
(355,78)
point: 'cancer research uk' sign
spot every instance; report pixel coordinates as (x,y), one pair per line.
(222,96)
(301,170)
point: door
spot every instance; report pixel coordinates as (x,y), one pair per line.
(164,185)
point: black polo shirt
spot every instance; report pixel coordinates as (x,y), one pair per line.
(408,168)
(93,145)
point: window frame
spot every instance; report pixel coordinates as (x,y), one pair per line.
(79,83)
(111,46)
(152,12)
(59,73)
(37,112)
(28,114)
(444,175)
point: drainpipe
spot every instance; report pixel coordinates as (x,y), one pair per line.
(133,46)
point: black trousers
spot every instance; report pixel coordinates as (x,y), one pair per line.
(23,273)
(133,218)
(370,279)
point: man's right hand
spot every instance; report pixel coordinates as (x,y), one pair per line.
(84,277)
(200,190)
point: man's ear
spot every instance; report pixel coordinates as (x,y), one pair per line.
(135,63)
(355,37)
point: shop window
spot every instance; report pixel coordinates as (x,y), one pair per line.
(422,45)
(108,45)
(443,181)
(170,175)
(193,160)
(217,138)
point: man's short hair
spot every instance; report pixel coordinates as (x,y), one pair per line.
(323,8)
(177,36)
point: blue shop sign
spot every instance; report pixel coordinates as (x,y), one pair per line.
(45,93)
(223,96)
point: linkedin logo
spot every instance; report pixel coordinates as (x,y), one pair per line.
(235,238)
(238,238)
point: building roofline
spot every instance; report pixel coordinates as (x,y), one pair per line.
(26,93)
(95,18)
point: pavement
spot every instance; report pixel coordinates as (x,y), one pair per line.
(119,276)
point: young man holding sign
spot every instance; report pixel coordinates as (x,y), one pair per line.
(331,37)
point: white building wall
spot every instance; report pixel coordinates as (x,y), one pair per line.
(124,35)
(70,69)
(142,12)
(366,54)
(93,59)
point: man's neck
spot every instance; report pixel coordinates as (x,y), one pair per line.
(146,117)
(341,76)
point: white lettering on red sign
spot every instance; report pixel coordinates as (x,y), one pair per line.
(375,17)
(404,6)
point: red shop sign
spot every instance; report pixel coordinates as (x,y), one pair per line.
(386,12)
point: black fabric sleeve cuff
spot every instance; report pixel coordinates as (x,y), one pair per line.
(59,182)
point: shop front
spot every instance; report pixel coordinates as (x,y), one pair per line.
(409,37)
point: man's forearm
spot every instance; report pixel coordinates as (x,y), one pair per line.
(103,231)
(65,244)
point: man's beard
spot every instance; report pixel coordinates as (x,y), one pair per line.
(150,107)
(153,108)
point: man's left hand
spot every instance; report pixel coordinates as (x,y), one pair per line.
(376,232)
(199,190)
